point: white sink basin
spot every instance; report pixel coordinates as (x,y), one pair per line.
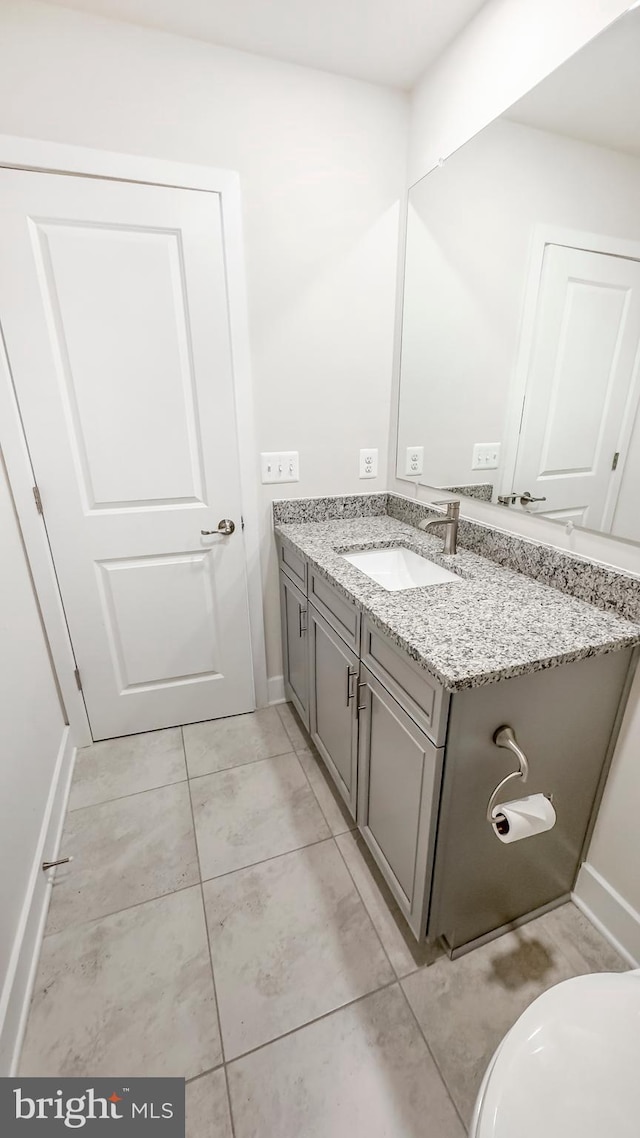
(399,568)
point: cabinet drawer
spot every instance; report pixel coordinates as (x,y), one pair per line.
(342,615)
(423,697)
(293,565)
(399,789)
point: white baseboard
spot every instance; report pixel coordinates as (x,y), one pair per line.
(275,689)
(21,973)
(609,912)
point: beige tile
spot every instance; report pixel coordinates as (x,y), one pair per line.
(466,1006)
(125,852)
(338,817)
(296,731)
(207,1107)
(403,950)
(254,812)
(290,940)
(130,994)
(231,742)
(117,767)
(584,947)
(363,1072)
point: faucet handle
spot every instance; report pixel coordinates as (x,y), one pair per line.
(452,504)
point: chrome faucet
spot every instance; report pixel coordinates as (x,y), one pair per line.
(449,520)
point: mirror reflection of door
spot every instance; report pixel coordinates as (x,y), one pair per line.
(497,339)
(582,391)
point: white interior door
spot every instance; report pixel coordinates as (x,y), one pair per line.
(114,309)
(580,385)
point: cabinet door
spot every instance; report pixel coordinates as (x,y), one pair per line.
(399,774)
(293,607)
(332,704)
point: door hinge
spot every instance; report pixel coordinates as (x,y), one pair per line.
(38,499)
(242,521)
(76,672)
(615,460)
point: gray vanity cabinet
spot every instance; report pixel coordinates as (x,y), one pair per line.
(565,720)
(293,611)
(333,716)
(417,765)
(399,772)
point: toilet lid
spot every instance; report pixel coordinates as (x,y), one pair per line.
(570,1066)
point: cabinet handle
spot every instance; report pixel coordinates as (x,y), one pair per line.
(350,676)
(302,621)
(361,706)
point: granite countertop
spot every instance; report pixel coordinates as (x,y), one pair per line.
(493,625)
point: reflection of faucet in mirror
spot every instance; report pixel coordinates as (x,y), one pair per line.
(449,520)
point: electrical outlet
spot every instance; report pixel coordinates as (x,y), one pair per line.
(414,460)
(280,466)
(486,456)
(369,463)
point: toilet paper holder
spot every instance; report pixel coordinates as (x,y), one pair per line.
(505,737)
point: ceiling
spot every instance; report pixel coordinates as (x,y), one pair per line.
(595,96)
(383,41)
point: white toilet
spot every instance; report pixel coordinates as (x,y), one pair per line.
(569,1067)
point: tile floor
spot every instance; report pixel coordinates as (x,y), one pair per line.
(222,921)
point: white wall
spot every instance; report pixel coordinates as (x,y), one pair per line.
(507,49)
(33,733)
(468,248)
(321,161)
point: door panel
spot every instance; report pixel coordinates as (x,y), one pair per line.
(295,645)
(122,347)
(114,308)
(333,717)
(144,650)
(399,775)
(582,376)
(395,780)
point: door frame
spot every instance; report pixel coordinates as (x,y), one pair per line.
(543,235)
(59,158)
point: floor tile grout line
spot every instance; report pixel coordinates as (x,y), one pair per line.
(309,1022)
(240,766)
(444,1082)
(317,800)
(355,884)
(265,860)
(366,909)
(124,909)
(349,829)
(203,1074)
(309,750)
(206,928)
(419,967)
(132,794)
(307,742)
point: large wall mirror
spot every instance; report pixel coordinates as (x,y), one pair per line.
(520,362)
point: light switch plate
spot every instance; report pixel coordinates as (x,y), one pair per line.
(280,466)
(369,463)
(414,461)
(486,456)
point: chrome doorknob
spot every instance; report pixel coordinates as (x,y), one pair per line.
(225,529)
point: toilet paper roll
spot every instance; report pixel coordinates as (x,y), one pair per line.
(523,817)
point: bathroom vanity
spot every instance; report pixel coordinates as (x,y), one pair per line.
(402,692)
